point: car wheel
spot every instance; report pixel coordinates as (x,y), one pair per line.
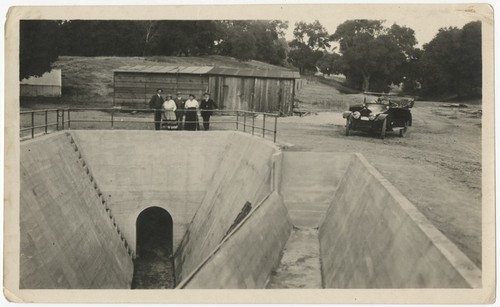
(384,126)
(347,126)
(403,130)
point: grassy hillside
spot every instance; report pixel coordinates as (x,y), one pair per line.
(88,81)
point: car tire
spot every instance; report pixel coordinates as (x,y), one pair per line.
(347,126)
(404,130)
(384,127)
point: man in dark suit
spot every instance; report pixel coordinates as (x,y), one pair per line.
(179,113)
(156,103)
(206,107)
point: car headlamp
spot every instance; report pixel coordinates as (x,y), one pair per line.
(356,115)
(371,116)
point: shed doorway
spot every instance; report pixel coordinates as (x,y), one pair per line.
(153,266)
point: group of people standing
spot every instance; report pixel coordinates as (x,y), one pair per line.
(178,114)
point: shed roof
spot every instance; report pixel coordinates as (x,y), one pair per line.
(211,70)
(52,78)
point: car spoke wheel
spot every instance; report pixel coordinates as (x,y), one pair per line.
(403,130)
(347,126)
(384,125)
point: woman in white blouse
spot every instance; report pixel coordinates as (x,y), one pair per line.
(191,108)
(169,117)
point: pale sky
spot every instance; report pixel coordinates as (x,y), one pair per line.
(425,21)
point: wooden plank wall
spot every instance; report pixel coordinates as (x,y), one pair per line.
(129,89)
(135,89)
(298,84)
(229,92)
(254,94)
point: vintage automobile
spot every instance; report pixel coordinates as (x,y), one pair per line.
(385,113)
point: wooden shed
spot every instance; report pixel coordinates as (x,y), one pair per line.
(47,85)
(231,88)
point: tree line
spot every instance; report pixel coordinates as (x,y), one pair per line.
(373,57)
(369,54)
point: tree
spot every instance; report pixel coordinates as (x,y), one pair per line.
(151,33)
(314,35)
(303,57)
(38,47)
(266,37)
(243,46)
(260,39)
(411,72)
(373,53)
(451,63)
(471,70)
(307,48)
(104,38)
(330,63)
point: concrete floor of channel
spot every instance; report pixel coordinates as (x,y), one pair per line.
(300,265)
(154,269)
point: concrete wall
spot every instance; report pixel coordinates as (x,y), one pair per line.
(28,90)
(47,85)
(373,237)
(244,175)
(309,181)
(247,257)
(67,239)
(138,170)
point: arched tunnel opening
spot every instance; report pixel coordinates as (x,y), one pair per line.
(153,266)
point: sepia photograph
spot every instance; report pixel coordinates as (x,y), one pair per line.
(298,153)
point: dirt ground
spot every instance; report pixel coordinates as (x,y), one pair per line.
(437,165)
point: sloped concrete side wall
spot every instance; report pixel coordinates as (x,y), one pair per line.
(244,175)
(246,259)
(67,239)
(373,237)
(138,170)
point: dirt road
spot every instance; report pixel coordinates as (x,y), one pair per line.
(437,166)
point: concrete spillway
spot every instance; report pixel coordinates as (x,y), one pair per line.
(242,214)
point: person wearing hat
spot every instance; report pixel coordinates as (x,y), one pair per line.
(207,106)
(179,113)
(191,109)
(156,103)
(169,108)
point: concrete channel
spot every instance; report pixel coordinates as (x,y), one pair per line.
(238,214)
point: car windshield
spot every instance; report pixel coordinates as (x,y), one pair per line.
(376,108)
(402,101)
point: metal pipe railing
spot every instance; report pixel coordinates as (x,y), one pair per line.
(64,117)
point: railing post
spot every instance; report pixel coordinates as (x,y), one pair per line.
(244,121)
(275,127)
(264,126)
(112,117)
(57,120)
(253,123)
(62,119)
(45,121)
(32,124)
(69,119)
(237,119)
